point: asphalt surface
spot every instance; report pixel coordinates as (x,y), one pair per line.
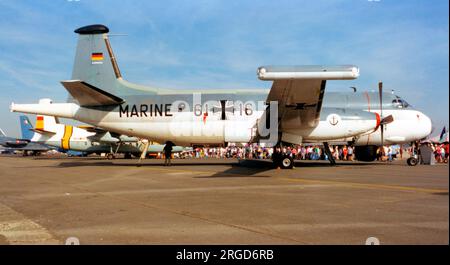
(47,199)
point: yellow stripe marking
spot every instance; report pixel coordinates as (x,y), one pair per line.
(65,141)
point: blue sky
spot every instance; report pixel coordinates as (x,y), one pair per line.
(220,44)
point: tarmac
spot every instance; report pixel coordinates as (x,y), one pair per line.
(48,199)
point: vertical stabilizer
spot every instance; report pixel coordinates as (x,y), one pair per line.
(46,123)
(26,127)
(95,63)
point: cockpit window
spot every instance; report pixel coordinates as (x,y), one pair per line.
(400,103)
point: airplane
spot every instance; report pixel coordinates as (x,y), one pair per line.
(84,140)
(24,144)
(295,110)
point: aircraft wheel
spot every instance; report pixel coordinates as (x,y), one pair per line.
(110,156)
(412,161)
(287,162)
(127,156)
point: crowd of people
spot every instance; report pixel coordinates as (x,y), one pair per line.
(254,151)
(307,152)
(441,152)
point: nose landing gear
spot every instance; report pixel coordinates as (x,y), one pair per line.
(412,161)
(415,155)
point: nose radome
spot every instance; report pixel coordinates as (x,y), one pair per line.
(426,125)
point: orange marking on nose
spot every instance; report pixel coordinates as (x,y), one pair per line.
(378,121)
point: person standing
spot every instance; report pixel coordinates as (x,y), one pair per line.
(168,153)
(344,152)
(389,153)
(336,153)
(446,147)
(350,153)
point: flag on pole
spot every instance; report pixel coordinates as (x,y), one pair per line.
(441,137)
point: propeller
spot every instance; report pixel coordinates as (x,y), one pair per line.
(384,120)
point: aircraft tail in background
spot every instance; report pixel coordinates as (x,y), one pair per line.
(26,127)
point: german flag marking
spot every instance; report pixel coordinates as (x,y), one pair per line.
(97,58)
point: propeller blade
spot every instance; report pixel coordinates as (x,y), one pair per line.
(387,120)
(380,94)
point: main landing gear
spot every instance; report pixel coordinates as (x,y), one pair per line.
(281,160)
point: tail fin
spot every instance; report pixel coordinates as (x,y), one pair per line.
(26,127)
(95,63)
(46,123)
(2,133)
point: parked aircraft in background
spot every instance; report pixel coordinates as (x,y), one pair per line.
(24,144)
(84,140)
(294,111)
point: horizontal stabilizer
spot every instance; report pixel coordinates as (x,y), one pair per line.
(88,95)
(43,132)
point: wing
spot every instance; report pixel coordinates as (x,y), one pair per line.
(88,95)
(299,91)
(30,147)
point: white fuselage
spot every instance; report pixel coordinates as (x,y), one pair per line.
(358,124)
(409,125)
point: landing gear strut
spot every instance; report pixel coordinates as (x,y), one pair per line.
(144,151)
(415,158)
(326,148)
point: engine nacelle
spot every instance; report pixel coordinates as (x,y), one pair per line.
(338,123)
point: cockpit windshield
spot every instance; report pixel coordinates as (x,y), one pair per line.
(400,103)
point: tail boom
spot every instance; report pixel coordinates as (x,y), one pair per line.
(63,110)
